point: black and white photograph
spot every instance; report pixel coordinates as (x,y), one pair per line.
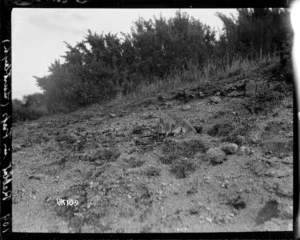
(152,120)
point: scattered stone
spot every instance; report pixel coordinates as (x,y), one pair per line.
(215,155)
(240,140)
(270,185)
(270,226)
(276,224)
(258,166)
(16,148)
(153,171)
(288,160)
(230,148)
(192,190)
(219,219)
(166,104)
(243,150)
(229,218)
(137,130)
(36,176)
(135,163)
(215,99)
(220,129)
(186,107)
(120,134)
(148,115)
(49,199)
(206,179)
(287,104)
(132,150)
(285,209)
(225,184)
(235,94)
(33,125)
(289,134)
(112,115)
(290,105)
(285,187)
(132,171)
(256,140)
(194,210)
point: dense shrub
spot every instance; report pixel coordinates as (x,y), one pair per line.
(102,66)
(33,108)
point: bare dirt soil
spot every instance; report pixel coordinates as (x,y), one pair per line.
(235,174)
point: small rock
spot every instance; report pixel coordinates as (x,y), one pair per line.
(169,105)
(36,176)
(148,115)
(289,105)
(289,134)
(186,107)
(288,160)
(270,226)
(200,94)
(215,99)
(194,210)
(215,155)
(285,210)
(229,218)
(112,115)
(240,140)
(285,187)
(230,148)
(219,220)
(132,171)
(120,134)
(131,150)
(206,179)
(49,199)
(99,162)
(256,140)
(235,94)
(270,186)
(16,148)
(243,150)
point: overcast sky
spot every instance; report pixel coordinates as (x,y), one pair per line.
(38,35)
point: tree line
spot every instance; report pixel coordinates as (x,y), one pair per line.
(103,65)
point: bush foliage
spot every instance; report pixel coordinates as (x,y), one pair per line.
(32,107)
(102,66)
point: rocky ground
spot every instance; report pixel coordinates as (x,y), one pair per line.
(235,174)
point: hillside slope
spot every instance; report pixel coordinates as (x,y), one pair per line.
(235,174)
